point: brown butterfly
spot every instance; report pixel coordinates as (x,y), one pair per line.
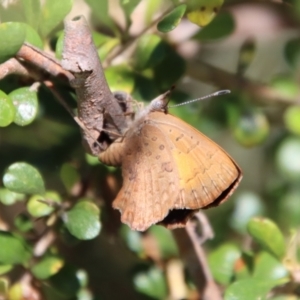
(170,170)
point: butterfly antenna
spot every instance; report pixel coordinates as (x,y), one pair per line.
(215,94)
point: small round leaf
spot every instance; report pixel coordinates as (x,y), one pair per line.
(222,261)
(248,289)
(65,282)
(47,267)
(23,222)
(12,38)
(69,176)
(120,78)
(8,197)
(13,250)
(172,19)
(38,208)
(247,205)
(52,13)
(23,178)
(267,266)
(169,70)
(83,220)
(285,86)
(149,52)
(222,25)
(252,128)
(165,241)
(151,283)
(288,158)
(7,110)
(202,12)
(4,269)
(32,9)
(292,119)
(33,37)
(266,233)
(132,238)
(26,104)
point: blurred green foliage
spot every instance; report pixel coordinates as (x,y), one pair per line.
(53,196)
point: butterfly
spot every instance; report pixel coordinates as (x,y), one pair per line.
(170,170)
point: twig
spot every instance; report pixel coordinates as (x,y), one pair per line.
(13,66)
(211,290)
(43,60)
(98,109)
(42,245)
(194,257)
(259,92)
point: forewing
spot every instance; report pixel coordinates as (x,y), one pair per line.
(207,174)
(150,178)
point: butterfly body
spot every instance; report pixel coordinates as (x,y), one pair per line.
(170,170)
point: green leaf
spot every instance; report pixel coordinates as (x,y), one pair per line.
(47,267)
(172,19)
(145,89)
(107,47)
(4,269)
(83,220)
(13,250)
(288,158)
(32,37)
(120,78)
(202,12)
(15,291)
(26,104)
(267,266)
(170,70)
(289,208)
(291,119)
(12,38)
(59,45)
(40,209)
(246,55)
(32,9)
(221,26)
(132,238)
(53,12)
(100,9)
(150,51)
(285,85)
(8,197)
(23,222)
(128,7)
(65,282)
(266,233)
(100,39)
(7,109)
(221,262)
(69,176)
(166,243)
(247,205)
(83,278)
(291,52)
(243,266)
(92,160)
(248,289)
(252,128)
(23,178)
(4,284)
(151,283)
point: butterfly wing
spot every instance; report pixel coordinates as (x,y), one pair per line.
(207,174)
(150,177)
